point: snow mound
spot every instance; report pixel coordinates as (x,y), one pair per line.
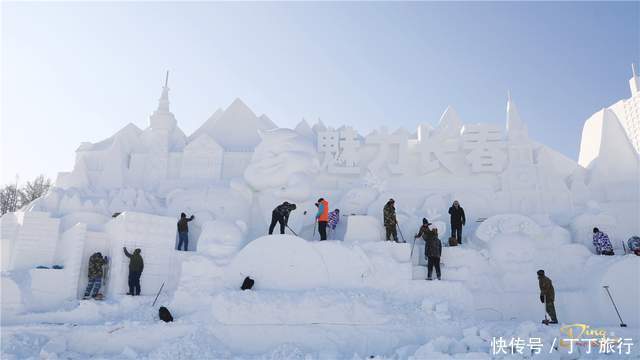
(289,262)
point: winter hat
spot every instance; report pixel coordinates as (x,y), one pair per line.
(425,222)
(540,273)
(183,215)
(392,201)
(137,251)
(595,230)
(321,199)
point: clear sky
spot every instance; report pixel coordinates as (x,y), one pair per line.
(74,72)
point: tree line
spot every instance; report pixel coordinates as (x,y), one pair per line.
(14,197)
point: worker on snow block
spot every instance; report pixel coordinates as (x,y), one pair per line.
(136,265)
(322,217)
(281,215)
(432,248)
(390,221)
(96,262)
(458,220)
(547,296)
(183,231)
(601,242)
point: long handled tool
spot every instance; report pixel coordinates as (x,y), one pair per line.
(154,300)
(402,236)
(622,324)
(294,233)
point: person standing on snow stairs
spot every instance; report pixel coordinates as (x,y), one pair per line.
(458,220)
(390,221)
(96,263)
(432,248)
(136,265)
(547,296)
(183,231)
(281,215)
(322,217)
(602,243)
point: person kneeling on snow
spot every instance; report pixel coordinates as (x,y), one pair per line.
(432,248)
(136,265)
(602,243)
(96,262)
(281,215)
(547,296)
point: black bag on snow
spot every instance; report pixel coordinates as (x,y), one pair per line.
(164,314)
(247,284)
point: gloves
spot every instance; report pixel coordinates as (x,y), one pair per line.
(106,259)
(542,298)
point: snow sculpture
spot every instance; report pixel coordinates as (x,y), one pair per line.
(608,154)
(220,238)
(436,147)
(155,236)
(36,240)
(362,229)
(507,224)
(281,154)
(357,200)
(628,110)
(340,150)
(202,159)
(486,147)
(388,145)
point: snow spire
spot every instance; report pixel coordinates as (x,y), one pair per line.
(515,127)
(634,82)
(163,102)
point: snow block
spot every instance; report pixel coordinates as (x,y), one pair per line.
(9,228)
(47,289)
(37,240)
(155,236)
(363,229)
(11,296)
(220,238)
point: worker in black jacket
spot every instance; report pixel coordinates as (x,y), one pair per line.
(281,215)
(458,220)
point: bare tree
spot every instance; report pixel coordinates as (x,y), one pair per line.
(34,189)
(9,199)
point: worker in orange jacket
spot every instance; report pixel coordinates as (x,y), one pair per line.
(322,217)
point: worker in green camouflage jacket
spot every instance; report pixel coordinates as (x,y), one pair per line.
(547,296)
(96,262)
(390,221)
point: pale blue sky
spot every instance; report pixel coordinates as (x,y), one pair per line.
(74,72)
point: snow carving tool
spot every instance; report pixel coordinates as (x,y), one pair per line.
(622,324)
(294,233)
(402,236)
(158,294)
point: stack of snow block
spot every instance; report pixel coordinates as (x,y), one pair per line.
(8,235)
(36,241)
(71,255)
(155,236)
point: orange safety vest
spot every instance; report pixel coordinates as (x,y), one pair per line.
(325,211)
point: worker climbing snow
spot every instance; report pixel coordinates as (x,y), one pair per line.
(547,296)
(390,221)
(183,231)
(432,248)
(136,265)
(280,215)
(601,242)
(95,273)
(322,217)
